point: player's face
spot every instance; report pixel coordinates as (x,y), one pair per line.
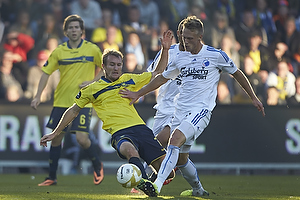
(74,31)
(113,68)
(191,41)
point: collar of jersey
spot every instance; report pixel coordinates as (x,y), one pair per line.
(105,79)
(79,45)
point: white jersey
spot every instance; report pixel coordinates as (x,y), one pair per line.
(200,74)
(167,92)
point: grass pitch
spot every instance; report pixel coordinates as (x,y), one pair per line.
(220,187)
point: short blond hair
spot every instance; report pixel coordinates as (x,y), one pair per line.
(194,24)
(108,52)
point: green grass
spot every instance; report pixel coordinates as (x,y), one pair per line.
(220,187)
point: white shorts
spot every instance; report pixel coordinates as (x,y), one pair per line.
(191,124)
(160,121)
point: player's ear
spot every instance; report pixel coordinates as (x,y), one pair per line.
(200,37)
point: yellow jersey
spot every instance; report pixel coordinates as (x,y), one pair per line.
(114,110)
(75,66)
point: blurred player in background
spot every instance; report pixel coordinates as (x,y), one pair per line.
(76,60)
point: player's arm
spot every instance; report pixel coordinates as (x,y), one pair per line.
(153,85)
(42,84)
(157,78)
(166,43)
(243,81)
(68,116)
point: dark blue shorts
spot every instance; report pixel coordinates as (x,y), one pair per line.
(81,123)
(143,139)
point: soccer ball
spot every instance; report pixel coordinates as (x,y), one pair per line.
(129,175)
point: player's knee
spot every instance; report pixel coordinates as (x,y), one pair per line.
(177,138)
(128,150)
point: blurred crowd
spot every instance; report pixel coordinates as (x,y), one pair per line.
(262,37)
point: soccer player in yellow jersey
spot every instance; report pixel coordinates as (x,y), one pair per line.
(131,138)
(76,60)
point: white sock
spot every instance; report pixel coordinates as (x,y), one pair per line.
(189,172)
(167,165)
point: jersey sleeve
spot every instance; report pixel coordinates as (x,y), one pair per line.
(172,53)
(225,63)
(84,96)
(152,66)
(140,80)
(52,63)
(171,71)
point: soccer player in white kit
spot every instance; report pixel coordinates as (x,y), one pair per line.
(199,67)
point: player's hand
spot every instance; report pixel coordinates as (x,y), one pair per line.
(167,40)
(125,93)
(35,102)
(46,138)
(256,102)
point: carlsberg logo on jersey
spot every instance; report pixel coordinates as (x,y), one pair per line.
(195,72)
